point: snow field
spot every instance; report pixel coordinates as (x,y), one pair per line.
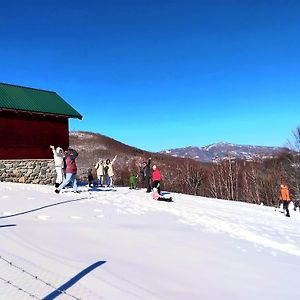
(194,248)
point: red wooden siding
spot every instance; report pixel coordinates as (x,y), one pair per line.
(28,136)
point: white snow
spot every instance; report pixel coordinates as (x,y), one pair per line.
(138,248)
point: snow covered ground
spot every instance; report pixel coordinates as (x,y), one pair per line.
(119,244)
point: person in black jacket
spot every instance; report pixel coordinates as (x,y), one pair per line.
(147,174)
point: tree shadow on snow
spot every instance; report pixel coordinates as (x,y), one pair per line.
(42,207)
(98,189)
(72,281)
(8,225)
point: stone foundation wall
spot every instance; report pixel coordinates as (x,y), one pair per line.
(28,171)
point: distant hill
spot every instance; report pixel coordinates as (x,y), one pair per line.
(221,151)
(93,146)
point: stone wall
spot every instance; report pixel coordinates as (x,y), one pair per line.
(40,171)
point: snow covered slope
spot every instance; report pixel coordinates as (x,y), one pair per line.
(120,244)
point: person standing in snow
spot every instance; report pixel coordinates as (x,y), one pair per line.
(156,196)
(71,171)
(100,171)
(156,178)
(133,181)
(110,171)
(58,156)
(90,178)
(147,174)
(285,197)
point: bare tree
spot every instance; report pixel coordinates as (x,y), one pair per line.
(194,177)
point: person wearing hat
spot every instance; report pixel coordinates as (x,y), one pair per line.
(285,197)
(156,178)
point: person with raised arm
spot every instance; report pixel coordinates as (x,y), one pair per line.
(110,171)
(58,156)
(71,171)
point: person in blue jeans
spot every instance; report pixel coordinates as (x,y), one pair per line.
(71,170)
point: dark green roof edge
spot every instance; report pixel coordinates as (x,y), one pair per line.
(35,101)
(26,87)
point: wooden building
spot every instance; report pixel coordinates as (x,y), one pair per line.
(31,120)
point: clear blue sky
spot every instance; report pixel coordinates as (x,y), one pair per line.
(162,74)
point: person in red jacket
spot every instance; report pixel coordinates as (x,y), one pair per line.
(156,178)
(71,170)
(285,197)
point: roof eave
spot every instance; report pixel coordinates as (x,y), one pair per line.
(80,117)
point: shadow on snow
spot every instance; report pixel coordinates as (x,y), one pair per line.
(42,207)
(72,281)
(8,225)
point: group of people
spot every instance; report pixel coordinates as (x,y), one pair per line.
(105,173)
(153,181)
(65,167)
(66,171)
(151,176)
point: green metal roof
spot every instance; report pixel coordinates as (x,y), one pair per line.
(13,97)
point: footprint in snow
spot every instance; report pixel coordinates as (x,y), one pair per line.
(43,217)
(99,216)
(74,217)
(4,197)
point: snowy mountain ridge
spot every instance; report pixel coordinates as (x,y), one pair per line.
(223,150)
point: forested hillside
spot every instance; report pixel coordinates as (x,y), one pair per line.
(255,181)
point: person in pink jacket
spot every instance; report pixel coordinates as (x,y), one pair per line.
(156,196)
(156,178)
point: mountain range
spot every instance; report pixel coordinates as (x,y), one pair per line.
(220,151)
(94,146)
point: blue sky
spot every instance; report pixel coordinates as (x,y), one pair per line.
(162,74)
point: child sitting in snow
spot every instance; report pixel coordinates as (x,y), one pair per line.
(156,196)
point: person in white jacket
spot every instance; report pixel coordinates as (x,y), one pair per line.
(100,171)
(58,156)
(109,171)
